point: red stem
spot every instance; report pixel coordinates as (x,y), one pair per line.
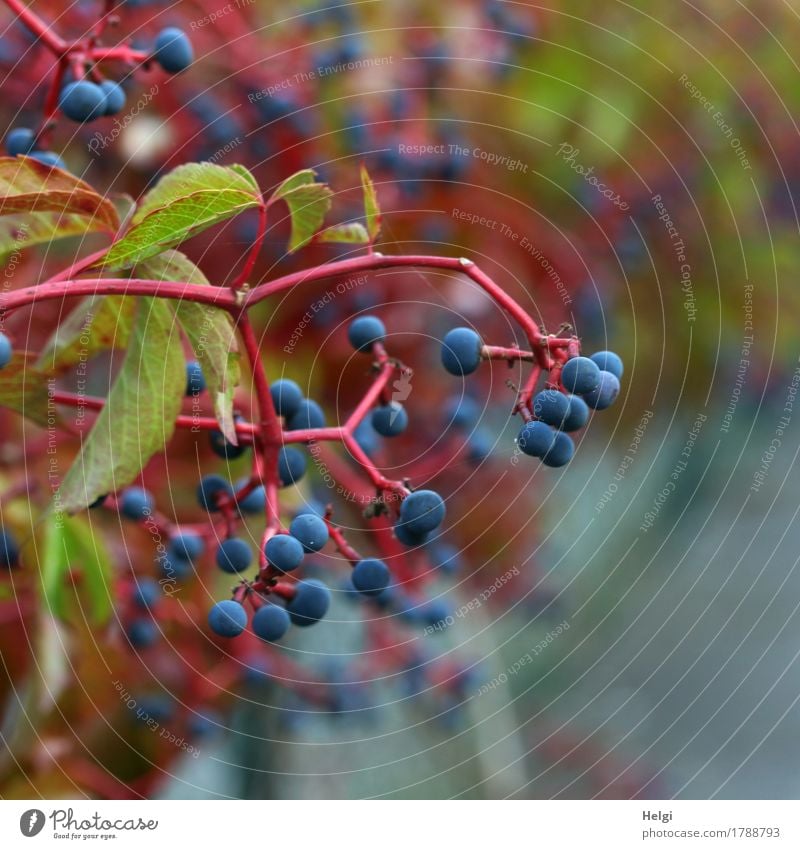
(41,29)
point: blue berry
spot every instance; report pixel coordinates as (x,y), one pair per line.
(310,530)
(284,552)
(580,375)
(609,361)
(371,576)
(561,451)
(234,555)
(286,397)
(435,613)
(20,141)
(136,503)
(309,415)
(312,507)
(271,622)
(255,501)
(82,101)
(115,96)
(577,414)
(9,550)
(310,604)
(536,439)
(605,394)
(407,537)
(224,449)
(47,157)
(6,351)
(422,511)
(462,412)
(551,407)
(479,446)
(210,489)
(172,568)
(195,379)
(367,438)
(147,593)
(227,618)
(365,331)
(186,546)
(445,556)
(173,50)
(461,351)
(390,420)
(291,465)
(142,633)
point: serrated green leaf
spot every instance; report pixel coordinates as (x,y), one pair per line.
(139,414)
(308,203)
(354,234)
(372,210)
(24,388)
(245,174)
(98,323)
(211,333)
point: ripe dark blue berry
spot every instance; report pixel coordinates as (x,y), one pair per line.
(172,568)
(367,438)
(20,141)
(444,556)
(227,618)
(609,361)
(309,415)
(462,412)
(291,465)
(82,101)
(115,96)
(147,593)
(9,550)
(310,530)
(47,157)
(255,501)
(310,604)
(186,546)
(551,407)
(479,446)
(173,50)
(224,449)
(284,552)
(195,379)
(6,351)
(605,394)
(136,503)
(577,414)
(371,576)
(286,397)
(390,420)
(536,439)
(422,511)
(561,451)
(234,555)
(461,351)
(435,613)
(271,622)
(580,375)
(407,537)
(212,488)
(365,331)
(142,633)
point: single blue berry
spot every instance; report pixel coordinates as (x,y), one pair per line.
(211,489)
(20,141)
(286,397)
(310,603)
(115,96)
(577,414)
(309,415)
(605,394)
(224,449)
(173,50)
(390,420)
(536,439)
(291,465)
(551,407)
(422,511)
(147,593)
(365,331)
(82,101)
(195,379)
(186,546)
(408,538)
(461,351)
(234,555)
(271,622)
(561,451)
(255,501)
(435,613)
(136,503)
(9,549)
(370,576)
(172,568)
(284,552)
(310,530)
(313,507)
(367,438)
(609,361)
(580,375)
(6,351)
(227,618)
(444,556)
(142,633)
(462,412)
(47,157)
(479,446)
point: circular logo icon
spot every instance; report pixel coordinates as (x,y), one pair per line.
(31,822)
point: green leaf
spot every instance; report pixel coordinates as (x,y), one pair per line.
(139,414)
(98,323)
(308,203)
(372,210)
(354,233)
(28,186)
(25,389)
(70,546)
(211,333)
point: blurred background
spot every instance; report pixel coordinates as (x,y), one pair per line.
(624,627)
